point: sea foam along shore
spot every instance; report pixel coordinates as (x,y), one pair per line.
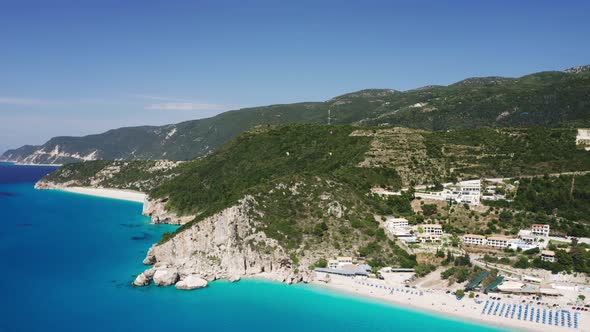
(127,195)
(436,302)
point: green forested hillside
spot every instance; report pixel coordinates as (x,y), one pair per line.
(547,99)
(311,183)
(268,154)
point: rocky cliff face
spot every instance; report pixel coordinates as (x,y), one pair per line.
(54,185)
(226,245)
(156,209)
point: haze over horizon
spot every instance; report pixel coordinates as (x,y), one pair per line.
(71,68)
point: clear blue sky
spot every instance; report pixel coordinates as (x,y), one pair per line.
(79,67)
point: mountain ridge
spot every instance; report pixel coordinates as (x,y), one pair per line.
(548,99)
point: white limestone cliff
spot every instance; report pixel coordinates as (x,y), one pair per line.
(227,245)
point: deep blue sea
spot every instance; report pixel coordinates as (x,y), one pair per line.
(67,260)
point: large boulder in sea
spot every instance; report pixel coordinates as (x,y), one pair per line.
(149,273)
(141,280)
(165,277)
(191,281)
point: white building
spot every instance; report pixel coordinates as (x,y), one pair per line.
(474,240)
(464,192)
(498,241)
(398,227)
(583,138)
(540,230)
(432,229)
(339,262)
(332,264)
(469,187)
(548,256)
(392,223)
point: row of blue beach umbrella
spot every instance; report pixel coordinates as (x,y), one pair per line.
(561,317)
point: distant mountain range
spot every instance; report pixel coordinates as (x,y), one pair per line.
(548,99)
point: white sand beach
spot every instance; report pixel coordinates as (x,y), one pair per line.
(439,303)
(127,195)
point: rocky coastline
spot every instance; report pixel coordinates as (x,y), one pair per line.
(228,245)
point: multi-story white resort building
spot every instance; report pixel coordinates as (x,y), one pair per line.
(393,223)
(498,242)
(464,192)
(541,230)
(474,239)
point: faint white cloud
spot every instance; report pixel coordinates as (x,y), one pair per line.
(185,106)
(24,101)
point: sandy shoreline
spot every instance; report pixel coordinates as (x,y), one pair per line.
(438,303)
(127,195)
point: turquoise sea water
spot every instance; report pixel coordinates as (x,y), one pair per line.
(67,261)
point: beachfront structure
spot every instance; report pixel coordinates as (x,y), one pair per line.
(349,270)
(548,256)
(344,260)
(332,264)
(518,288)
(474,239)
(540,230)
(432,229)
(498,241)
(339,262)
(474,283)
(343,266)
(531,279)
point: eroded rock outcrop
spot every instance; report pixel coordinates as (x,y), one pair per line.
(156,209)
(227,245)
(165,276)
(192,281)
